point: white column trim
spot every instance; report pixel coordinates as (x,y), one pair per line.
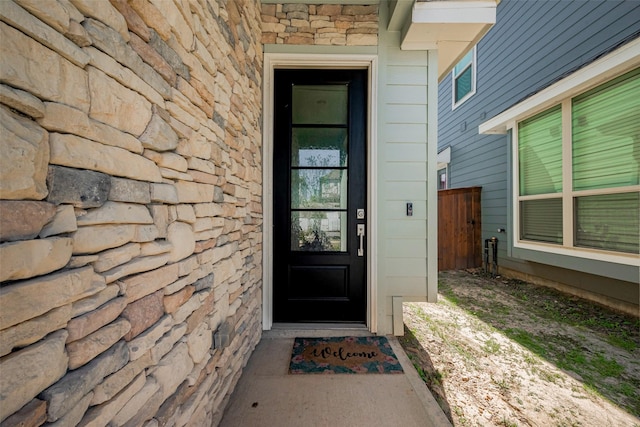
(432,177)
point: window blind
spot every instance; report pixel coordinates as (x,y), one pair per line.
(541,220)
(463,84)
(540,153)
(610,221)
(606,135)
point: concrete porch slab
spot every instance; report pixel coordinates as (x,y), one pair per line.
(266,395)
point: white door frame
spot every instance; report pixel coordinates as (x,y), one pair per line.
(273,61)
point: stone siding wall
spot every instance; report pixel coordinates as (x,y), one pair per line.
(325,24)
(130,209)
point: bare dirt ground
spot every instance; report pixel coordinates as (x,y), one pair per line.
(502,352)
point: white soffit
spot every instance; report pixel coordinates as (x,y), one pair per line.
(452,27)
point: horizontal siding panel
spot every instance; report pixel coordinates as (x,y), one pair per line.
(406,171)
(406,229)
(493,153)
(482,178)
(406,267)
(406,248)
(403,94)
(405,190)
(416,133)
(398,113)
(492,166)
(409,286)
(405,151)
(406,75)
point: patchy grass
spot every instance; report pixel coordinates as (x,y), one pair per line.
(622,340)
(557,340)
(606,367)
(528,340)
(491,346)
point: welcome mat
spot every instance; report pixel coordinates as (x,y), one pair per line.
(343,355)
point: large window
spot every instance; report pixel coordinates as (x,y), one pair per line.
(464,78)
(578,170)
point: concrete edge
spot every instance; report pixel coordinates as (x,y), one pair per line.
(287,330)
(439,419)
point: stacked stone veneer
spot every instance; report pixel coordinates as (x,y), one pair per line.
(130,209)
(324,24)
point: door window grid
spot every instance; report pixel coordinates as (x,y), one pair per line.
(319,168)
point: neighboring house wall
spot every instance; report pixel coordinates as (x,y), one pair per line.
(131,216)
(533,45)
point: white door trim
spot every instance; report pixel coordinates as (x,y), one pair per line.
(273,61)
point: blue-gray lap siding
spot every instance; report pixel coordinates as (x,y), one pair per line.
(533,44)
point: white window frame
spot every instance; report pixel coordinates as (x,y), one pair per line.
(567,195)
(617,63)
(444,158)
(446,178)
(474,68)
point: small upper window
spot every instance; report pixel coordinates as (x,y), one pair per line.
(464,78)
(442,179)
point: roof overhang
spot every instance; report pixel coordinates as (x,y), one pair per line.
(450,26)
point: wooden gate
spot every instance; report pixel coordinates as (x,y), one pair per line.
(459,229)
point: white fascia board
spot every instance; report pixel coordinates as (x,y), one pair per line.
(454,12)
(444,156)
(438,21)
(419,45)
(621,60)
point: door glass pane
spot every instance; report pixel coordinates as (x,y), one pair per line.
(540,153)
(319,231)
(320,104)
(609,222)
(319,188)
(541,220)
(606,135)
(325,147)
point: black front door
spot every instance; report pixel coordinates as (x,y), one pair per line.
(320,187)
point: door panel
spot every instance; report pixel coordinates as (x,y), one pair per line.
(328,281)
(319,184)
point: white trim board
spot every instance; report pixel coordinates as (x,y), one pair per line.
(432,177)
(273,61)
